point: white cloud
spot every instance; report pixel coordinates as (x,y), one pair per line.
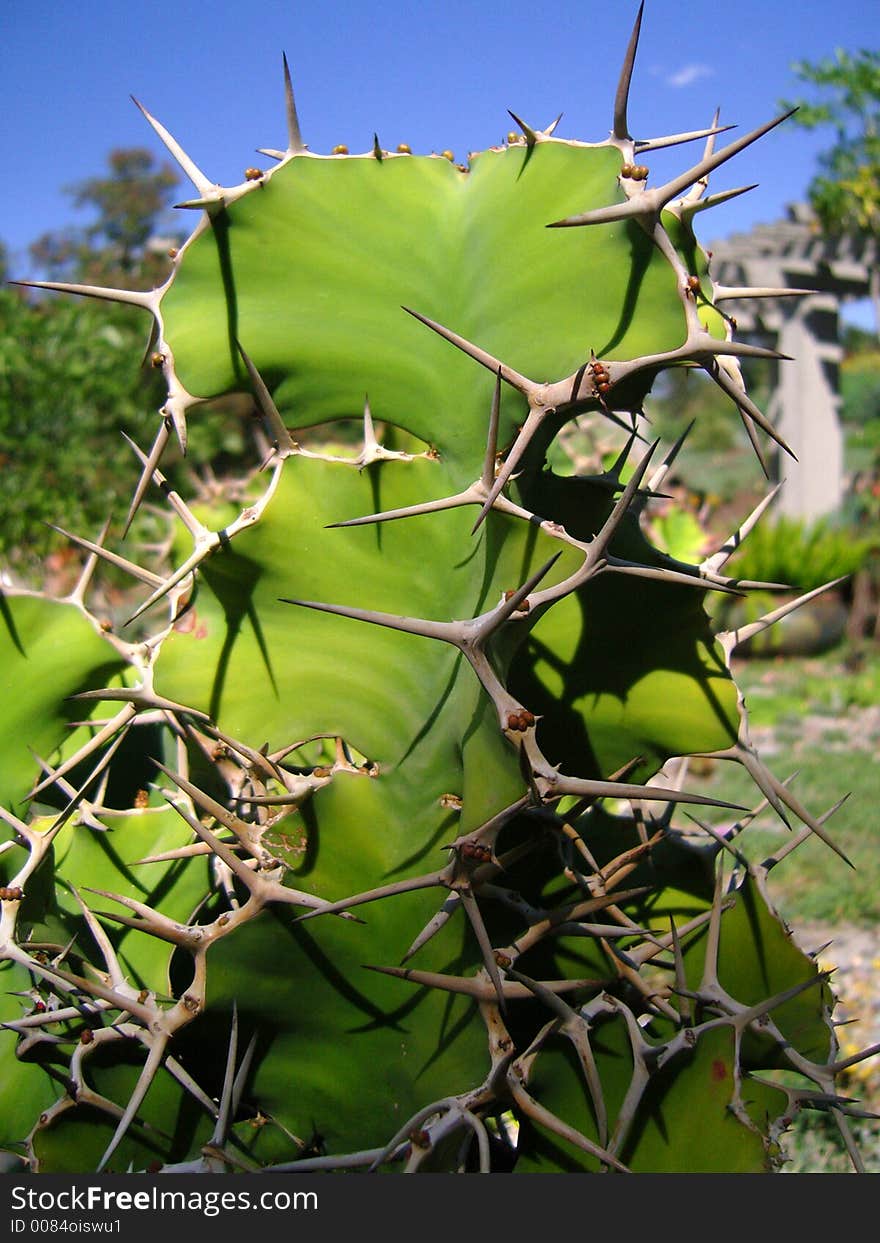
(688,74)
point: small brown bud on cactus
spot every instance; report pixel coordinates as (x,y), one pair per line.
(475,851)
(524,605)
(304,297)
(520,721)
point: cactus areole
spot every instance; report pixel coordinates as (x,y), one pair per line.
(370,854)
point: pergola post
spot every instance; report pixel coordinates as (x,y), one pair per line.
(793,253)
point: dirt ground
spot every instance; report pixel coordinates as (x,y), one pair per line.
(854,956)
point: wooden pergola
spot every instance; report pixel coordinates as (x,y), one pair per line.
(794,253)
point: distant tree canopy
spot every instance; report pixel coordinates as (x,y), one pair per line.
(69,384)
(115,249)
(845,193)
(71,378)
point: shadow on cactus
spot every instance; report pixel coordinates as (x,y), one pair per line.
(406,884)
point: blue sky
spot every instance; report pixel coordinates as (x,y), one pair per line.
(435,75)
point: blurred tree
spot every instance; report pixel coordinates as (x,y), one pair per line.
(845,193)
(69,384)
(120,248)
(69,379)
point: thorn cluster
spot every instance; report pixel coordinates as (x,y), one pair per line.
(560,890)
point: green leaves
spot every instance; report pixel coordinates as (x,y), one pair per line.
(69,381)
(846,193)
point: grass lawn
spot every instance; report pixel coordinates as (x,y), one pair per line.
(818,717)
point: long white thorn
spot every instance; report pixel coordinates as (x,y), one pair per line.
(487,477)
(433,926)
(675,140)
(699,188)
(132,297)
(196,529)
(119,722)
(531,136)
(372,895)
(409,625)
(225,1112)
(533,421)
(659,475)
(735,637)
(714,563)
(114,971)
(98,550)
(295,143)
(689,208)
(282,439)
(651,202)
(745,404)
(620,129)
(192,562)
(84,581)
(725,293)
(206,188)
(517,381)
(146,1077)
(586,788)
(163,435)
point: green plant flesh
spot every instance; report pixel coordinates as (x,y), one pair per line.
(370,852)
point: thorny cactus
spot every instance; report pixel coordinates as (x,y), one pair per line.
(367,855)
